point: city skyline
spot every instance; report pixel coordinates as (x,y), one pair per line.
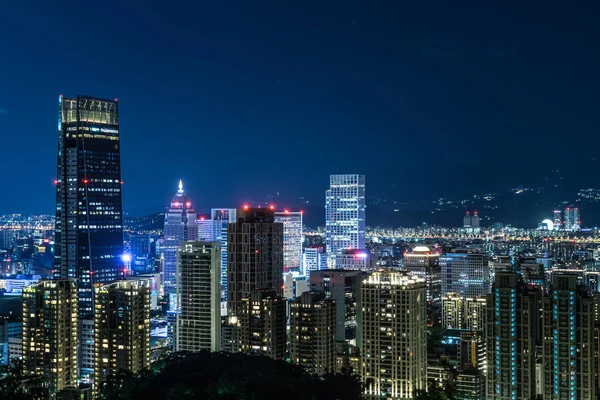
(382,78)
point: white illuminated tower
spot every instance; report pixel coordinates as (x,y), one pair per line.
(180,226)
(344,214)
(292,239)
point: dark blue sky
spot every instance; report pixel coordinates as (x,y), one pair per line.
(245,98)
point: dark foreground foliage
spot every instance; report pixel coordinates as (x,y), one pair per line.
(222,376)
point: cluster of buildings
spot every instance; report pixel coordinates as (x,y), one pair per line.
(242,280)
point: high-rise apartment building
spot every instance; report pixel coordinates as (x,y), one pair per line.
(512,315)
(313,259)
(121,328)
(199,290)
(570,349)
(394,335)
(471,221)
(572,221)
(255,255)
(262,323)
(343,287)
(220,218)
(180,226)
(452,311)
(89,217)
(312,333)
(467,274)
(424,262)
(344,214)
(292,239)
(474,313)
(50,332)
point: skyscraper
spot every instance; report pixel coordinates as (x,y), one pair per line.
(467,274)
(344,214)
(344,288)
(255,255)
(199,290)
(143,252)
(204,228)
(220,218)
(512,312)
(50,332)
(180,226)
(394,337)
(572,222)
(312,333)
(557,219)
(425,263)
(292,239)
(569,346)
(313,259)
(89,217)
(121,328)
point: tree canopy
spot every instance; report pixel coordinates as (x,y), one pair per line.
(223,376)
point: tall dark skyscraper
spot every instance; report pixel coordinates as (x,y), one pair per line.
(255,256)
(89,217)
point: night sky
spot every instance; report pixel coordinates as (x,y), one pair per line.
(242,99)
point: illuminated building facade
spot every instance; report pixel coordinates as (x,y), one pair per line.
(50,332)
(263,324)
(344,214)
(313,259)
(121,328)
(312,333)
(143,248)
(220,218)
(452,311)
(89,217)
(255,255)
(394,337)
(180,226)
(199,290)
(474,313)
(467,274)
(343,287)
(292,239)
(354,259)
(572,221)
(569,354)
(204,228)
(425,263)
(512,315)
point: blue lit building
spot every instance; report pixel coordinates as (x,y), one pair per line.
(511,328)
(89,216)
(143,252)
(220,218)
(180,226)
(344,214)
(569,355)
(467,274)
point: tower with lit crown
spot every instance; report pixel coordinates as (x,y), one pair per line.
(89,216)
(180,226)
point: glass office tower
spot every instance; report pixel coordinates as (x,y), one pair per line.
(344,214)
(89,217)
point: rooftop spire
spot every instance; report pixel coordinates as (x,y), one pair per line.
(180,186)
